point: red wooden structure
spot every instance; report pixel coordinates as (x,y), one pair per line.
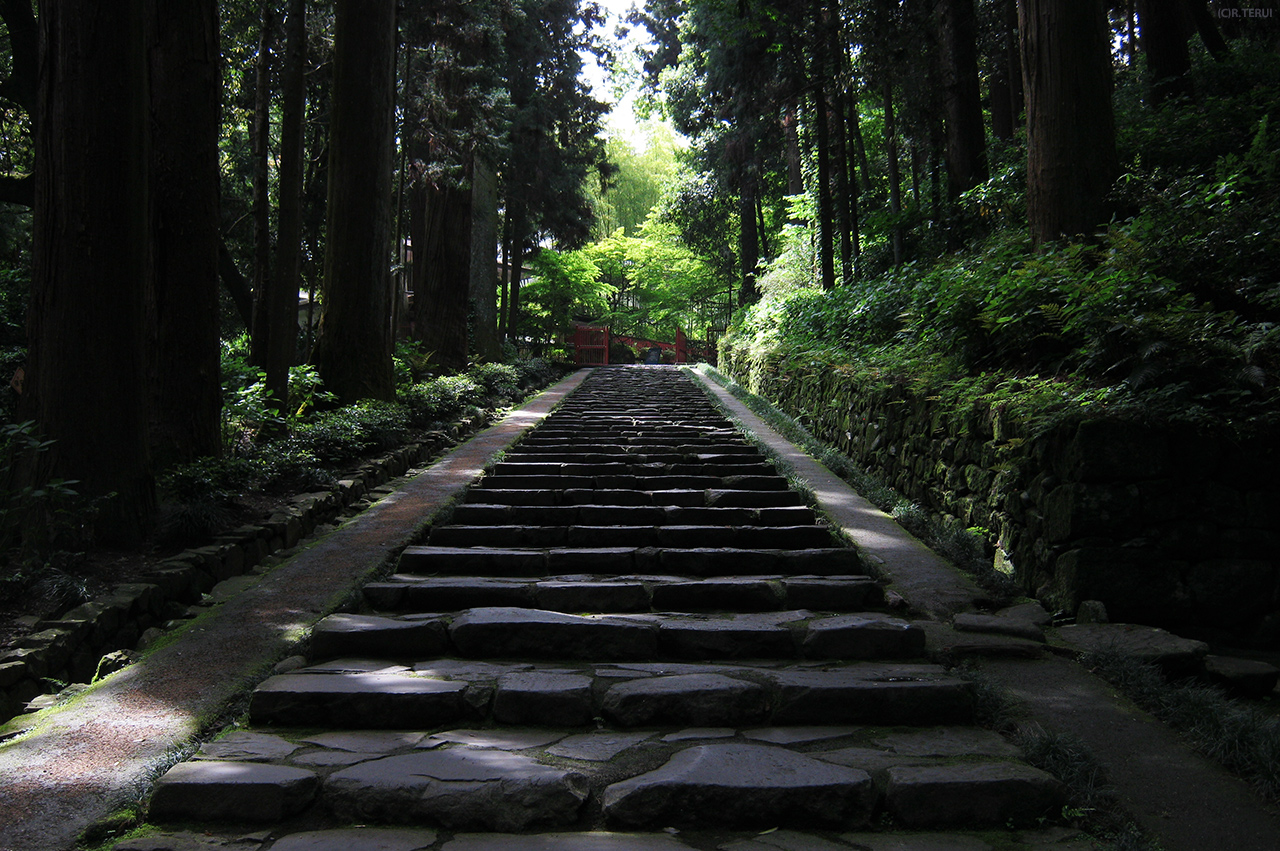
(591,345)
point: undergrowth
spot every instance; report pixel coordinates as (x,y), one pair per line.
(1240,737)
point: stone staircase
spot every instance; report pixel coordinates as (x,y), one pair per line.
(631,635)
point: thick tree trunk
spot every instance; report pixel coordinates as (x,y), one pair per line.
(1004,67)
(1071,153)
(484,269)
(848,108)
(260,333)
(86,384)
(1166,26)
(186,93)
(859,145)
(966,141)
(515,265)
(353,351)
(282,301)
(440,297)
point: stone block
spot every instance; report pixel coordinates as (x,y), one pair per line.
(1074,511)
(1178,657)
(460,788)
(533,633)
(972,795)
(1134,584)
(370,700)
(694,699)
(378,637)
(212,790)
(742,785)
(1108,450)
(863,636)
(551,699)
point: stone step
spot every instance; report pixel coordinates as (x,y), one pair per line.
(626,467)
(480,514)
(525,632)
(582,536)
(622,593)
(737,778)
(681,561)
(485,494)
(368,693)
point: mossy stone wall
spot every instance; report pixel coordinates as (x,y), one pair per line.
(1168,525)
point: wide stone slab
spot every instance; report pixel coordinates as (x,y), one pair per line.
(582,594)
(891,694)
(741,785)
(916,842)
(783,840)
(863,636)
(737,636)
(380,700)
(460,788)
(1177,656)
(972,795)
(596,747)
(593,841)
(218,790)
(538,634)
(694,699)
(361,838)
(538,697)
(447,593)
(478,560)
(245,745)
(833,593)
(731,593)
(374,635)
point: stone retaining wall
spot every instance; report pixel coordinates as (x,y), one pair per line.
(1169,526)
(68,649)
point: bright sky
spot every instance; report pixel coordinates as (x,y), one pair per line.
(622,121)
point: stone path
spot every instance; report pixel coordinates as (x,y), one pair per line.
(631,635)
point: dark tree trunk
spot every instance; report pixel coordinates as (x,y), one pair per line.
(748,235)
(821,76)
(849,109)
(440,299)
(237,285)
(504,279)
(1166,26)
(791,131)
(1071,153)
(282,310)
(1207,26)
(518,240)
(260,333)
(86,384)
(895,178)
(1004,67)
(353,350)
(484,271)
(966,141)
(859,144)
(186,93)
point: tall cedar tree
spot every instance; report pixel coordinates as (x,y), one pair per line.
(186,91)
(553,136)
(966,138)
(455,107)
(353,352)
(281,301)
(1071,151)
(86,386)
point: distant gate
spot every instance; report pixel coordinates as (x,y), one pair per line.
(591,345)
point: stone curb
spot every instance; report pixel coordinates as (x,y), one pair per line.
(70,649)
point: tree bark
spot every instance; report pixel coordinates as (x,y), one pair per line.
(748,235)
(966,141)
(186,93)
(1071,154)
(282,300)
(354,345)
(24,37)
(895,178)
(86,383)
(484,270)
(1166,26)
(442,282)
(1004,65)
(260,333)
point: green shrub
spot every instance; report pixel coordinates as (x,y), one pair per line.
(497,381)
(439,400)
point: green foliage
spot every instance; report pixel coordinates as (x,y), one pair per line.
(411,362)
(498,381)
(43,526)
(439,400)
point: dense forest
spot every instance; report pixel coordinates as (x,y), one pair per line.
(214,213)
